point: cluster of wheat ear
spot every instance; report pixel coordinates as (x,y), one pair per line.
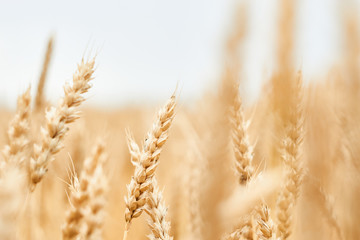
(283,167)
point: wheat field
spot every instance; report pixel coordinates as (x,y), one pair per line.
(285,167)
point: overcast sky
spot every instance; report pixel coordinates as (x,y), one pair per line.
(146,47)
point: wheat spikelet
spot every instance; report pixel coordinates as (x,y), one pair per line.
(57,120)
(292,158)
(14,151)
(264,223)
(243,151)
(160,228)
(86,196)
(146,161)
(39,99)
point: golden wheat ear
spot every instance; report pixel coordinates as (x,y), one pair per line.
(15,151)
(265,225)
(57,120)
(243,150)
(146,162)
(155,208)
(85,217)
(292,158)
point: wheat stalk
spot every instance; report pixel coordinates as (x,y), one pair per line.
(194,192)
(84,218)
(94,219)
(243,151)
(74,216)
(57,120)
(146,162)
(14,151)
(292,158)
(39,99)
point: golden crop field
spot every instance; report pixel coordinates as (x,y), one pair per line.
(285,167)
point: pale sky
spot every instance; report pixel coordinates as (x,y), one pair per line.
(146,47)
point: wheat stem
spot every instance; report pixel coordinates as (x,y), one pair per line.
(39,99)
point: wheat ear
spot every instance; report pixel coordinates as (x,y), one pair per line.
(39,99)
(18,131)
(83,218)
(57,120)
(146,161)
(72,227)
(243,150)
(155,208)
(292,158)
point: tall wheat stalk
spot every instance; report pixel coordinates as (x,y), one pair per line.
(293,160)
(146,162)
(39,99)
(243,150)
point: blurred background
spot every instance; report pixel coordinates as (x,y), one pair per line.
(145,48)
